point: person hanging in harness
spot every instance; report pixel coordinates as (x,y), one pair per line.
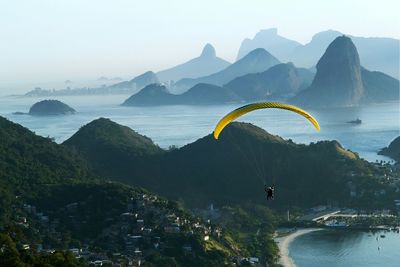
(270,192)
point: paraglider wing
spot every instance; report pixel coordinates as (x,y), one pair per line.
(261,105)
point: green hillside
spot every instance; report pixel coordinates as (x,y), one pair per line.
(29,162)
(235,168)
(52,202)
(393,150)
(115,150)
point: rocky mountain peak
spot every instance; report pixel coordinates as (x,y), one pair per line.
(208,51)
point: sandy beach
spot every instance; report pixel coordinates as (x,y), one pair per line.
(284,242)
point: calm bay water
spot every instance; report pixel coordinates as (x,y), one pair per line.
(342,248)
(180,125)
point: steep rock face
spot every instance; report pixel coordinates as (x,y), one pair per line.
(338,80)
(281,80)
(257,60)
(376,53)
(208,52)
(50,107)
(307,55)
(207,63)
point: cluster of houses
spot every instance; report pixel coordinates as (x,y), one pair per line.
(144,228)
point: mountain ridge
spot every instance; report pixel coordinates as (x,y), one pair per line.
(255,61)
(270,41)
(279,81)
(376,53)
(206,64)
(200,94)
(137,82)
(214,170)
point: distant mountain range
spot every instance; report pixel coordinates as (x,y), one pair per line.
(200,94)
(280,81)
(251,77)
(341,81)
(376,53)
(257,60)
(269,40)
(206,64)
(136,83)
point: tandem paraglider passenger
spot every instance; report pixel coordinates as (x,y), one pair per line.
(270,192)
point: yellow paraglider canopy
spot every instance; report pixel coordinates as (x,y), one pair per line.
(261,105)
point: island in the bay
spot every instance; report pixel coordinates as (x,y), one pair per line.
(48,108)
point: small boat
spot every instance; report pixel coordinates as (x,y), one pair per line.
(357,121)
(383,236)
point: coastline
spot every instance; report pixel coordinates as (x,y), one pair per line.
(284,242)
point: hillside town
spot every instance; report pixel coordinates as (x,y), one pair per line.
(149,226)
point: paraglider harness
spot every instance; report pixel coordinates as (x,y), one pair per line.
(270,192)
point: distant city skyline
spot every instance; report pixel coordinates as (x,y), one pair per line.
(46,42)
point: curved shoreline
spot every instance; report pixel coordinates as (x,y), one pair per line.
(284,242)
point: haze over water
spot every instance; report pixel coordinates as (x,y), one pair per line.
(180,125)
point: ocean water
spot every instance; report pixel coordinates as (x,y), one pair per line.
(342,248)
(180,125)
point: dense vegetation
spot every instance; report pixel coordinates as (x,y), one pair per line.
(113,149)
(49,196)
(11,256)
(235,168)
(393,150)
(29,162)
(73,206)
(252,226)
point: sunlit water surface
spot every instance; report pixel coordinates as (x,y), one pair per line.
(180,125)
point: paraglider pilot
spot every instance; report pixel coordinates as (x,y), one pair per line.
(270,192)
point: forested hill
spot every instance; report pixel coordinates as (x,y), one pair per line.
(50,200)
(234,168)
(27,160)
(113,149)
(393,150)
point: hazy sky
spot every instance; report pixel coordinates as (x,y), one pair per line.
(44,41)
